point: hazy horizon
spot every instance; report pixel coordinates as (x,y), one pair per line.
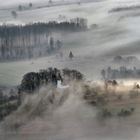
(16,2)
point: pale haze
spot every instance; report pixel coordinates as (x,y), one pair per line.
(15,2)
(98,40)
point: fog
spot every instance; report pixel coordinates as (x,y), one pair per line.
(115,33)
(16,2)
(69,117)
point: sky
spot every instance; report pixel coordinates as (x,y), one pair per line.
(16,2)
(13,2)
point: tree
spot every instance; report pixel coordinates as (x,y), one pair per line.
(59,44)
(30,5)
(3,51)
(30,82)
(109,71)
(103,73)
(71,55)
(1,94)
(50,1)
(1,97)
(14,14)
(20,8)
(30,52)
(51,43)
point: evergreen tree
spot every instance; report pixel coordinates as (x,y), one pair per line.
(51,44)
(71,55)
(14,14)
(30,5)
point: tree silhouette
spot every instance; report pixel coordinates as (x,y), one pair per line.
(30,5)
(20,42)
(20,8)
(71,55)
(14,14)
(50,1)
(33,81)
(103,73)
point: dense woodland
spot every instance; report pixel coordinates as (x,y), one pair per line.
(34,80)
(125,59)
(19,42)
(121,73)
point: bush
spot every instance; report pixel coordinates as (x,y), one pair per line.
(105,113)
(126,112)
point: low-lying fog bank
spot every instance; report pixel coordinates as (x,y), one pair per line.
(69,116)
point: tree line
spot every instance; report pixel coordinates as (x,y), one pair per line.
(16,53)
(17,42)
(122,72)
(76,24)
